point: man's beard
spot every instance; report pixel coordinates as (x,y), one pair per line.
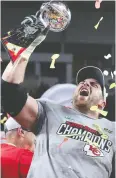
(83,106)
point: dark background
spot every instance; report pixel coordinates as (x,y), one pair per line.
(79,45)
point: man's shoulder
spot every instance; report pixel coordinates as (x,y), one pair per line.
(3,145)
(49,105)
(108,120)
(65,103)
(26,156)
(11,151)
(45,101)
(109,123)
(26,152)
(9,147)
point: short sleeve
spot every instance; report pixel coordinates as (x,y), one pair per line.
(24,163)
(40,118)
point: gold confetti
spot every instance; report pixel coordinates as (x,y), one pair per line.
(54,57)
(99,129)
(95,108)
(71,135)
(104,113)
(3,120)
(97,25)
(103,135)
(112,85)
(92,143)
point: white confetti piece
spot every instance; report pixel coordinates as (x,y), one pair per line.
(106,95)
(107,56)
(112,75)
(105,72)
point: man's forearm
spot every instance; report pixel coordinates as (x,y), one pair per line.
(15,72)
(15,99)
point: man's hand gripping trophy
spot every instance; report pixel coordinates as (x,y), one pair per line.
(21,42)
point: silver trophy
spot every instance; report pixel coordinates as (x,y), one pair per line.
(57,14)
(54,16)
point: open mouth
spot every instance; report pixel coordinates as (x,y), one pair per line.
(84,92)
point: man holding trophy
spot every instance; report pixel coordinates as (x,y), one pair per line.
(70,143)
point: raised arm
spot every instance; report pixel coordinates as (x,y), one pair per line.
(15,99)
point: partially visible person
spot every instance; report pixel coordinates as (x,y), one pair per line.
(2,137)
(17,152)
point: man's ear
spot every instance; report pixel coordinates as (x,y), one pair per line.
(101,105)
(20,132)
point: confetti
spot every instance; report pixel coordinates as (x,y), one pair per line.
(3,120)
(105,72)
(65,140)
(112,75)
(104,136)
(106,95)
(95,108)
(97,4)
(97,25)
(112,85)
(99,129)
(54,57)
(92,143)
(104,113)
(107,56)
(72,134)
(9,33)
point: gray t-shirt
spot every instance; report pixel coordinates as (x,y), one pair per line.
(71,145)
